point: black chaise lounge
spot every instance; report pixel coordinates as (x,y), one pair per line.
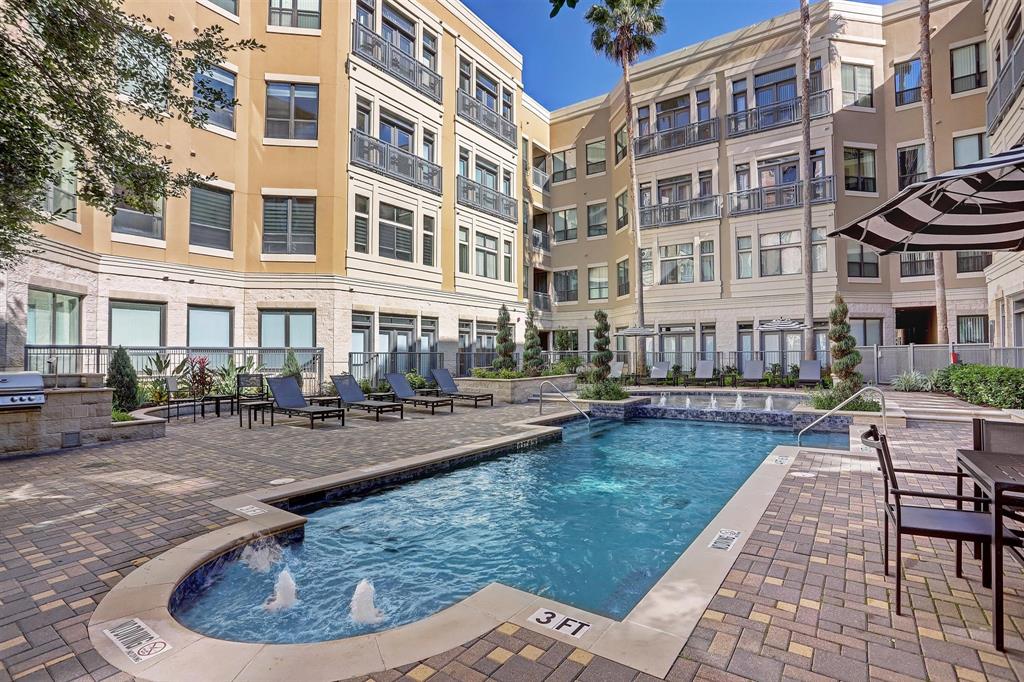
(404,393)
(810,373)
(705,374)
(659,372)
(446,384)
(753,373)
(288,400)
(351,395)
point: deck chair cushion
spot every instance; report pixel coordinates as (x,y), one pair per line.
(753,370)
(348,389)
(810,370)
(659,370)
(705,369)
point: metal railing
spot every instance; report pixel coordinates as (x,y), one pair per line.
(677,213)
(386,159)
(564,397)
(908,96)
(779,197)
(683,137)
(776,115)
(541,180)
(1005,88)
(865,389)
(388,58)
(541,239)
(483,198)
(542,301)
(372,367)
(489,120)
(917,268)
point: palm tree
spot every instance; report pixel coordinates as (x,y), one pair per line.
(808,174)
(941,314)
(624,30)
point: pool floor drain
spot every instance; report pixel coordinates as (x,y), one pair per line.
(282,481)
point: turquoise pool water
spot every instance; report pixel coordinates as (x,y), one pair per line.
(593,521)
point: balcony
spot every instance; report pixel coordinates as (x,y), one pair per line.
(373,154)
(488,200)
(486,119)
(390,59)
(1005,89)
(779,197)
(541,180)
(776,115)
(542,301)
(680,212)
(665,141)
(541,240)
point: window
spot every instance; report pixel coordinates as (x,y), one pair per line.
(209,221)
(53,318)
(216,80)
(130,220)
(739,95)
(428,145)
(292,111)
(704,105)
(622,277)
(819,250)
(486,256)
(486,90)
(643,121)
(507,106)
(1013,29)
(565,224)
(61,199)
(134,324)
(463,163)
(429,58)
(396,131)
(969,148)
(911,165)
(595,157)
(289,225)
(972,328)
(621,144)
(287,328)
(622,210)
(860,261)
(597,282)
(295,13)
(364,115)
(150,56)
(464,250)
(817,84)
(968,67)
(707,260)
(597,220)
(563,165)
(917,264)
(428,240)
(780,253)
(973,261)
(506,254)
(361,230)
(227,5)
(395,232)
(908,82)
(857,85)
(859,168)
(673,113)
(774,87)
(209,327)
(647,266)
(673,190)
(676,263)
(566,286)
(744,258)
(866,331)
(704,185)
(365,13)
(506,183)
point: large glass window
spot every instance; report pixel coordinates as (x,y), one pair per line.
(222,81)
(53,318)
(973,261)
(597,220)
(739,95)
(210,217)
(138,325)
(292,111)
(464,250)
(622,210)
(744,258)
(398,29)
(911,165)
(907,76)
(622,277)
(596,157)
(566,286)
(917,264)
(486,256)
(209,327)
(287,328)
(130,220)
(428,240)
(858,89)
(565,224)
(361,225)
(969,148)
(972,328)
(676,263)
(486,90)
(859,169)
(866,331)
(673,190)
(780,253)
(707,260)
(289,225)
(395,232)
(396,131)
(860,261)
(673,112)
(563,165)
(143,89)
(621,144)
(597,282)
(506,258)
(968,67)
(295,13)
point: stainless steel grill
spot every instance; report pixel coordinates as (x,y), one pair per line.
(21,390)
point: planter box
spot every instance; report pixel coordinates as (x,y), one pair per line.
(515,390)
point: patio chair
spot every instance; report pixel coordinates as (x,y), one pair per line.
(705,374)
(250,391)
(615,371)
(177,401)
(753,374)
(288,400)
(449,389)
(957,524)
(659,373)
(404,393)
(810,373)
(998,436)
(352,396)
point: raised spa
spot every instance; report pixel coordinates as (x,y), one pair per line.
(593,521)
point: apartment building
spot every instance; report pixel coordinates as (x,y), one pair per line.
(385,184)
(1005,120)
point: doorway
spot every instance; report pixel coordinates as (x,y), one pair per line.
(916,325)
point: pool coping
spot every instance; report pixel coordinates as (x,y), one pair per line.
(649,638)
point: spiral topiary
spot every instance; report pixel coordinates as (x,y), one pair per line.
(506,344)
(603,356)
(533,362)
(845,357)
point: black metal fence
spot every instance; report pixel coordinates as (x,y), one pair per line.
(372,367)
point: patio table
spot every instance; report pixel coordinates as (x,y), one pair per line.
(217,399)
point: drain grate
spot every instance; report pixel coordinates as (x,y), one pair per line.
(725,539)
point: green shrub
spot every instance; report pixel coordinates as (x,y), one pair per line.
(602,390)
(603,357)
(416,380)
(828,398)
(122,378)
(121,416)
(940,379)
(567,365)
(490,373)
(911,382)
(505,343)
(291,367)
(533,361)
(845,356)
(328,388)
(985,385)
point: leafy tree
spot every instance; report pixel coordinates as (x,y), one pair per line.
(291,368)
(121,377)
(603,357)
(533,363)
(845,356)
(505,342)
(557,5)
(71,73)
(566,339)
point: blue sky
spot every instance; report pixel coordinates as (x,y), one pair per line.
(561,68)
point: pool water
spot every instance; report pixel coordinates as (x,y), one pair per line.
(592,521)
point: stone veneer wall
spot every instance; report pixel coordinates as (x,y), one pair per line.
(515,390)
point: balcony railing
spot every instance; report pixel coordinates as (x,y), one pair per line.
(390,59)
(664,141)
(541,180)
(661,215)
(541,240)
(776,115)
(488,200)
(489,120)
(778,197)
(542,301)
(1005,89)
(60,203)
(381,157)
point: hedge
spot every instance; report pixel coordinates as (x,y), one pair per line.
(985,385)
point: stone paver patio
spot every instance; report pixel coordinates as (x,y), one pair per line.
(806,598)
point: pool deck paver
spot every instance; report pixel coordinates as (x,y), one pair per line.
(806,598)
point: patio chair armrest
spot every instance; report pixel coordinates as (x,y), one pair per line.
(958,474)
(939,496)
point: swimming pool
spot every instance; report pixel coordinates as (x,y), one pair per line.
(592,521)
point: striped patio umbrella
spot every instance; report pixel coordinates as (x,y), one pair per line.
(977,207)
(781,325)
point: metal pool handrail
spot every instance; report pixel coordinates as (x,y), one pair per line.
(881,396)
(559,391)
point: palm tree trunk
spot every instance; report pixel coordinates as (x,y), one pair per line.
(634,220)
(808,175)
(941,314)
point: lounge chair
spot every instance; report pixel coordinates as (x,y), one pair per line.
(449,389)
(615,370)
(288,400)
(350,395)
(705,374)
(659,373)
(404,393)
(753,373)
(810,373)
(998,436)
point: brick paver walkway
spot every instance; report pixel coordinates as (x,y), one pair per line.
(805,600)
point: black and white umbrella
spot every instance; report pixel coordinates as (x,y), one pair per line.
(979,206)
(781,325)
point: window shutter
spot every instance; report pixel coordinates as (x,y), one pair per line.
(403,244)
(303,229)
(275,225)
(386,240)
(362,234)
